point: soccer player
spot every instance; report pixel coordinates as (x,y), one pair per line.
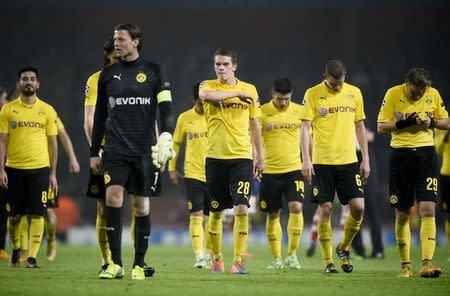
(3,213)
(282,177)
(410,112)
(191,129)
(443,149)
(129,92)
(96,185)
(334,105)
(232,110)
(30,169)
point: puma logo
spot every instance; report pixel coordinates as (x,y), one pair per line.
(118,77)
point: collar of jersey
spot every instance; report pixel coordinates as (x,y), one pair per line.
(26,105)
(134,62)
(330,91)
(228,86)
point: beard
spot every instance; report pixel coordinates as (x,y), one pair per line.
(28,91)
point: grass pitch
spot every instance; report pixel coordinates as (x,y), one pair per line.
(75,273)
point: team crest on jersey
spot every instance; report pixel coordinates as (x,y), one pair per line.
(86,90)
(428,101)
(269,126)
(214,204)
(263,204)
(13,124)
(94,189)
(323,111)
(399,115)
(107,178)
(350,96)
(189,205)
(393,199)
(315,191)
(141,77)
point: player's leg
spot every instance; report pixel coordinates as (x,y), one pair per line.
(3,224)
(270,202)
(207,237)
(141,212)
(24,237)
(50,232)
(312,245)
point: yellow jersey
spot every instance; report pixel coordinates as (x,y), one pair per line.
(28,127)
(281,134)
(333,116)
(443,149)
(59,124)
(91,89)
(191,128)
(228,121)
(397,106)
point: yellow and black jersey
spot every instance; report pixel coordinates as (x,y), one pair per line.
(397,106)
(91,89)
(443,149)
(281,134)
(28,127)
(192,129)
(333,116)
(228,121)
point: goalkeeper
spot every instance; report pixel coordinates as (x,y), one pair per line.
(129,92)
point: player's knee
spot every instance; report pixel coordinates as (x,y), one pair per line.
(402,216)
(274,215)
(240,209)
(216,215)
(14,219)
(197,213)
(325,211)
(295,207)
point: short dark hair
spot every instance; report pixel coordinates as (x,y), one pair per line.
(282,85)
(133,31)
(335,69)
(228,52)
(419,77)
(195,90)
(108,48)
(28,69)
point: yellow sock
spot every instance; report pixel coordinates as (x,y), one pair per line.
(240,235)
(447,232)
(24,235)
(14,234)
(196,234)
(36,233)
(351,228)
(215,229)
(294,230)
(403,237)
(326,240)
(428,237)
(274,236)
(102,237)
(133,226)
(207,239)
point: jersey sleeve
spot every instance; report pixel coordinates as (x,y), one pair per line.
(308,106)
(440,111)
(59,123)
(51,126)
(386,113)
(255,108)
(100,115)
(162,89)
(91,91)
(4,126)
(359,115)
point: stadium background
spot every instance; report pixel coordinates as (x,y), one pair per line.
(378,42)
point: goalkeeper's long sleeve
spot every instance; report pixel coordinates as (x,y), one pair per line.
(166,116)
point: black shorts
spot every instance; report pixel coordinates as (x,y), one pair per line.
(136,174)
(413,172)
(229,182)
(52,201)
(343,179)
(276,186)
(197,196)
(444,188)
(96,186)
(27,191)
(3,201)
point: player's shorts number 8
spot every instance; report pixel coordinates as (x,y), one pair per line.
(243,187)
(44,197)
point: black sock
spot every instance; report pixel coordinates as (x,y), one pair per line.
(141,236)
(114,232)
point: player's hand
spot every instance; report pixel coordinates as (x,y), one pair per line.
(364,170)
(412,119)
(163,150)
(174,176)
(258,168)
(74,166)
(3,179)
(425,123)
(53,184)
(246,98)
(96,165)
(308,171)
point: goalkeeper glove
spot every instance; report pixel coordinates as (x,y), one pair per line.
(163,150)
(407,122)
